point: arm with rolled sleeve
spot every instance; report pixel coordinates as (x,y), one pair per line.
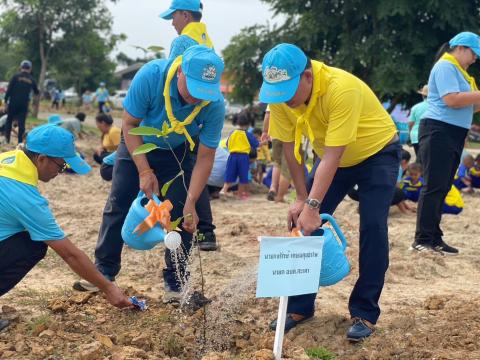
(211,131)
(254,144)
(209,139)
(136,105)
(448,87)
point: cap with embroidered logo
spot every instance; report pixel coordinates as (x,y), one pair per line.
(203,70)
(186,5)
(467,39)
(281,70)
(54,141)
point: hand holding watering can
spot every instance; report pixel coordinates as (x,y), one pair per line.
(304,218)
(335,265)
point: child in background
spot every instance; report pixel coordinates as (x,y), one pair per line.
(462,179)
(110,137)
(239,144)
(453,203)
(263,156)
(475,173)
(412,184)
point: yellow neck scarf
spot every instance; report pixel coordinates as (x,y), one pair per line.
(198,32)
(175,125)
(452,59)
(17,166)
(303,117)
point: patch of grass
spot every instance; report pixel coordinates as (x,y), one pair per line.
(38,324)
(35,121)
(472,145)
(320,353)
(172,346)
(150,321)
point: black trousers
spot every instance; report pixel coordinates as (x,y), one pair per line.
(125,187)
(376,178)
(441,147)
(99,158)
(18,113)
(18,255)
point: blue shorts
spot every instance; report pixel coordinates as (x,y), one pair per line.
(238,166)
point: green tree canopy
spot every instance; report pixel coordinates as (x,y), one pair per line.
(67,36)
(391,45)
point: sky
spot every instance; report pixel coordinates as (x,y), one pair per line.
(139,20)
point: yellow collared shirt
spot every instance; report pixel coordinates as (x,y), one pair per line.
(347,113)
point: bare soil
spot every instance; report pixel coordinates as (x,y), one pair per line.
(430,304)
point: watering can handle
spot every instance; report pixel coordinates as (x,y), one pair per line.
(331,220)
(141,194)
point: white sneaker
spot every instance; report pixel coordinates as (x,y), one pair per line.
(84,285)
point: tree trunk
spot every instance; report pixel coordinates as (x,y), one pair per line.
(41,87)
(394,103)
(43,65)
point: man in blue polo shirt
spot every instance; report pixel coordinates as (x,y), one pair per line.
(27,225)
(191,85)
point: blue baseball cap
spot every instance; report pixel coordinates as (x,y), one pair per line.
(281,70)
(203,69)
(186,5)
(54,141)
(55,119)
(467,39)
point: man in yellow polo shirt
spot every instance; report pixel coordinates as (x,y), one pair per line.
(356,141)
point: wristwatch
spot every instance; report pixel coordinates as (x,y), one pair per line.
(313,203)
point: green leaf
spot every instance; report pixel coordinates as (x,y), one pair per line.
(165,128)
(145,131)
(167,185)
(176,223)
(155,48)
(145,148)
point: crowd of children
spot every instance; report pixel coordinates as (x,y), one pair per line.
(411,183)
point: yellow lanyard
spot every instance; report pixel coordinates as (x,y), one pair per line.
(452,59)
(177,126)
(303,119)
(198,32)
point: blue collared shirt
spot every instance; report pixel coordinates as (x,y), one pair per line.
(145,101)
(446,79)
(23,208)
(179,45)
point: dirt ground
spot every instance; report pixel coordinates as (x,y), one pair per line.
(429,304)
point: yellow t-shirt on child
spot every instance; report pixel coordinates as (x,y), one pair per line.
(263,153)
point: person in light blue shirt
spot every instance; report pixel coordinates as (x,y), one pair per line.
(192,87)
(453,96)
(27,225)
(416,115)
(102,95)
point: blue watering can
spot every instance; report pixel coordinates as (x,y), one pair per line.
(136,215)
(335,265)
